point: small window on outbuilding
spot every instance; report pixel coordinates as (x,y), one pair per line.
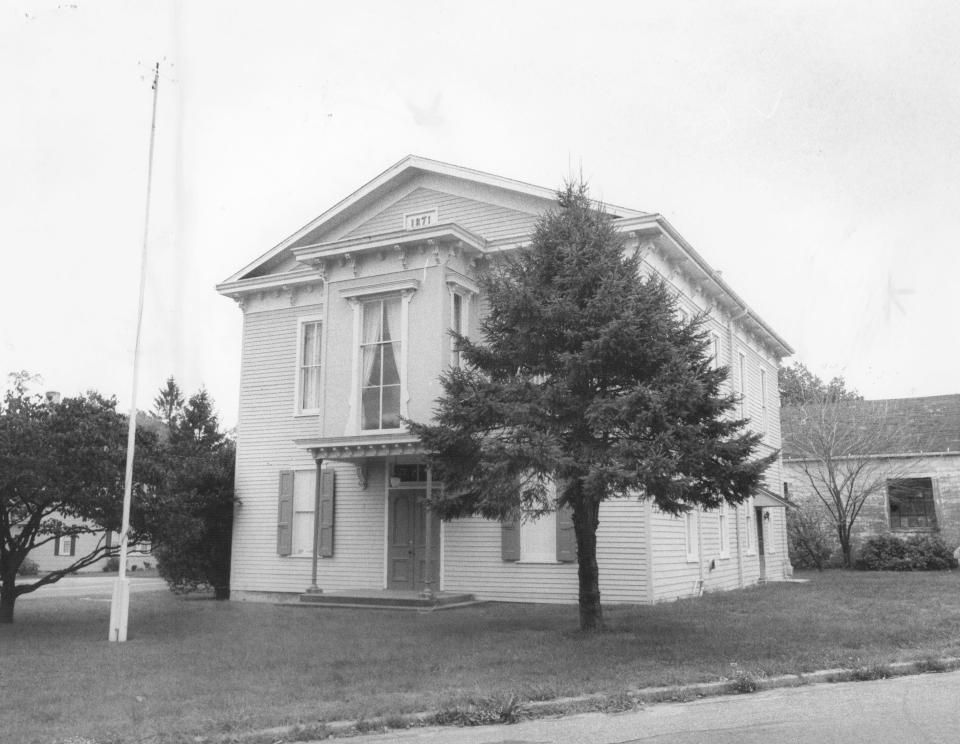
(911,504)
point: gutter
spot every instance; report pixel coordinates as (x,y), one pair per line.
(892,455)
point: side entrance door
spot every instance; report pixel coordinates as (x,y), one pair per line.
(407,541)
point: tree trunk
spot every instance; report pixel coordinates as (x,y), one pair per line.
(843,535)
(8,596)
(585,522)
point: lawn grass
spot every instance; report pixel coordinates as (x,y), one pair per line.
(195,666)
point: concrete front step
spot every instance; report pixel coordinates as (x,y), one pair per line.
(387,600)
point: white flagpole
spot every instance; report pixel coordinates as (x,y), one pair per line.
(120,604)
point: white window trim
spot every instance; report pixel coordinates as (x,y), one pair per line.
(548,524)
(301,322)
(768,547)
(715,348)
(464,330)
(405,289)
(691,523)
(723,530)
(763,401)
(751,528)
(64,541)
(300,472)
(742,361)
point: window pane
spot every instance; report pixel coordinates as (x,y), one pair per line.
(371,408)
(371,365)
(391,320)
(391,372)
(391,407)
(309,343)
(308,389)
(458,313)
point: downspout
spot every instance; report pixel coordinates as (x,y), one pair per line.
(730,322)
(699,591)
(739,550)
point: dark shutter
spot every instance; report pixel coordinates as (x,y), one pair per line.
(327,491)
(73,544)
(566,536)
(285,513)
(510,540)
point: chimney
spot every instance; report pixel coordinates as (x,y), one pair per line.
(52,397)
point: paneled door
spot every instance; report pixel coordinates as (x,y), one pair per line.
(406,541)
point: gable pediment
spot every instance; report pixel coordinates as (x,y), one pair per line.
(490,221)
(494,208)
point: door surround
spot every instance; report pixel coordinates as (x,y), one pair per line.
(404,540)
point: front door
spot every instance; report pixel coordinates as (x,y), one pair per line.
(407,541)
(760,547)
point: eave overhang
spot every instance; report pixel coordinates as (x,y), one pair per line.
(767,498)
(680,253)
(444,237)
(361,447)
(287,280)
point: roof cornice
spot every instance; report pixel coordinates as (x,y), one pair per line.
(293,278)
(658,224)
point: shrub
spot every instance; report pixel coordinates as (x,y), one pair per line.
(111,564)
(811,537)
(915,553)
(29,567)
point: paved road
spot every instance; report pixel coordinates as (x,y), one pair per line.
(923,709)
(92,586)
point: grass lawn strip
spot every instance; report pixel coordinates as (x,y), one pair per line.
(222,670)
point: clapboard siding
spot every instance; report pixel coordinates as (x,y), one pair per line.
(486,220)
(642,553)
(265,428)
(472,561)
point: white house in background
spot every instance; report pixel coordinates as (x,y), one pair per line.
(345,331)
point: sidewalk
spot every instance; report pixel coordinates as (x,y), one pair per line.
(889,711)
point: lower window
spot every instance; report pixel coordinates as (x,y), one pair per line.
(304,495)
(911,504)
(65,545)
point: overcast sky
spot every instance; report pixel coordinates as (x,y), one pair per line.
(810,152)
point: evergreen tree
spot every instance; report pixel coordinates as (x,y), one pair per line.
(169,402)
(584,378)
(190,516)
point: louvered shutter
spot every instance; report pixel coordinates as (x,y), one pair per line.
(285,513)
(327,493)
(566,536)
(510,540)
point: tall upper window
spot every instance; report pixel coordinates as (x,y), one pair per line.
(380,359)
(715,349)
(742,358)
(309,366)
(763,401)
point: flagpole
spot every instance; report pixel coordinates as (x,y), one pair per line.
(120,604)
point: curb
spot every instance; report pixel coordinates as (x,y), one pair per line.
(743,683)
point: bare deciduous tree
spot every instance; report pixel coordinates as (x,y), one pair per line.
(843,449)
